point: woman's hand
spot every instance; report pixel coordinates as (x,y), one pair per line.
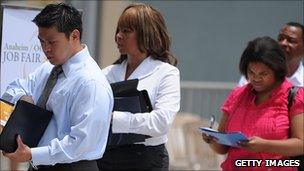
(27,99)
(254,144)
(209,139)
(213,142)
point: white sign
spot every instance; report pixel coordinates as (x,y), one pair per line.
(21,51)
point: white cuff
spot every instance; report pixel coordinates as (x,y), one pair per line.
(41,156)
(121,122)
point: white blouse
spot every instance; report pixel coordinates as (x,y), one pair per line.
(162,81)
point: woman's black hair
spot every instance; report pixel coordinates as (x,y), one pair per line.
(267,51)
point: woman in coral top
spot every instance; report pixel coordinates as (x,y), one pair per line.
(259,110)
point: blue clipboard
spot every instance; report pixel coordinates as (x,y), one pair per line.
(229,139)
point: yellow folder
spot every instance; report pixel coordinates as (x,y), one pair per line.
(5,111)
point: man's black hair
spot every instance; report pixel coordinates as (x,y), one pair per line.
(295,24)
(62,16)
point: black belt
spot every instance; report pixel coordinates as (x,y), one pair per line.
(66,166)
(43,166)
(139,146)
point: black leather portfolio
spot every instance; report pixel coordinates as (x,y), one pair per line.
(27,120)
(128,98)
(130,104)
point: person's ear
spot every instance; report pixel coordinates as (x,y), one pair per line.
(75,35)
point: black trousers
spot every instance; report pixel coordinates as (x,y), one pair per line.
(84,165)
(301,158)
(135,157)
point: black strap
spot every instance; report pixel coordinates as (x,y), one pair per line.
(291,95)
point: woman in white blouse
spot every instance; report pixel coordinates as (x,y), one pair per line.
(143,41)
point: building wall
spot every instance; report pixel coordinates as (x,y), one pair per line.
(209,36)
(110,12)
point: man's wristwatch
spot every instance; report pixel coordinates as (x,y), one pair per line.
(33,165)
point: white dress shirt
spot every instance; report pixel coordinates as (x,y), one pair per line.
(82,103)
(297,79)
(162,81)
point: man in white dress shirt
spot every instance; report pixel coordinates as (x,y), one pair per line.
(291,39)
(81,99)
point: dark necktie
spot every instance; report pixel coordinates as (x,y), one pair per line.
(51,82)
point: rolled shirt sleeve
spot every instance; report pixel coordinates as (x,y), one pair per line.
(21,87)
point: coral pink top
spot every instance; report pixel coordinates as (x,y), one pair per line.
(269,120)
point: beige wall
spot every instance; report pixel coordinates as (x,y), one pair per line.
(110,12)
(31,3)
(42,3)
